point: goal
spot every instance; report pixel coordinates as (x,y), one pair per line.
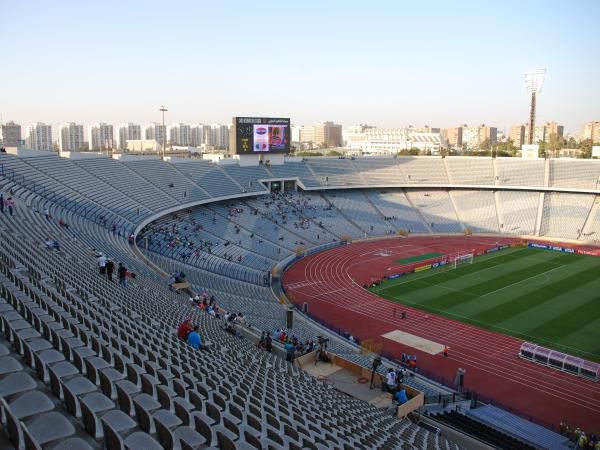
(461,258)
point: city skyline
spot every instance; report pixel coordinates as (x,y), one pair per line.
(387,64)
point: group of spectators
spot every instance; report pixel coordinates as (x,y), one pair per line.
(190,333)
(581,439)
(188,235)
(106,268)
(292,345)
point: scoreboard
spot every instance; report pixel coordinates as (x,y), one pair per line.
(256,135)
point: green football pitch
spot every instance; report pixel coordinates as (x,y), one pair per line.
(550,298)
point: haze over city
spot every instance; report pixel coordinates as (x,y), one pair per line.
(382,63)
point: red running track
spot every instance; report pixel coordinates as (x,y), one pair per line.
(331,283)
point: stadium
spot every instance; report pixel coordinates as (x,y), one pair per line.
(493,260)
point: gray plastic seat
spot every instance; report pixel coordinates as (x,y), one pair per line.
(9,365)
(30,403)
(16,383)
(48,427)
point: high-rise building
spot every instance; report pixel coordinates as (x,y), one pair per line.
(542,132)
(474,136)
(453,137)
(517,135)
(101,136)
(39,136)
(156,132)
(196,135)
(179,134)
(221,135)
(591,130)
(209,135)
(326,134)
(70,137)
(10,135)
(129,132)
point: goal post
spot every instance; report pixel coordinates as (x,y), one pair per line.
(461,258)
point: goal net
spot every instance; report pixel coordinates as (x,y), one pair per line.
(461,258)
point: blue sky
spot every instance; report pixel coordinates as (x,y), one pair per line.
(386,63)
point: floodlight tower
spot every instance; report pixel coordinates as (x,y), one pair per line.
(534,79)
(163,109)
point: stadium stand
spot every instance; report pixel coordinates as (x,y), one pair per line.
(517,172)
(166,177)
(379,171)
(565,214)
(334,172)
(520,428)
(591,230)
(466,170)
(86,363)
(517,211)
(395,206)
(296,170)
(423,171)
(481,431)
(247,176)
(354,206)
(117,373)
(477,210)
(127,182)
(208,175)
(437,210)
(574,174)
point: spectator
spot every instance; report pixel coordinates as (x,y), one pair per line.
(122,272)
(241,320)
(102,263)
(290,350)
(390,380)
(194,338)
(10,203)
(63,224)
(52,245)
(2,203)
(374,367)
(47,213)
(184,329)
(268,343)
(400,396)
(110,267)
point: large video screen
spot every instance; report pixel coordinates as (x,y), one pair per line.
(262,135)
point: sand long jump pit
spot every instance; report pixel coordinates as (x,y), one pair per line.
(425,345)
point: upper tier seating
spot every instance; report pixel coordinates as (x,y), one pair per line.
(463,170)
(210,176)
(334,172)
(167,178)
(574,174)
(519,172)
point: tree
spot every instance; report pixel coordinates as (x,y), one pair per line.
(334,153)
(485,145)
(555,143)
(586,148)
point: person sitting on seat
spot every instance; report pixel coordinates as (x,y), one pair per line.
(184,329)
(194,338)
(50,244)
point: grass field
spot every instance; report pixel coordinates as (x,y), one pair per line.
(547,297)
